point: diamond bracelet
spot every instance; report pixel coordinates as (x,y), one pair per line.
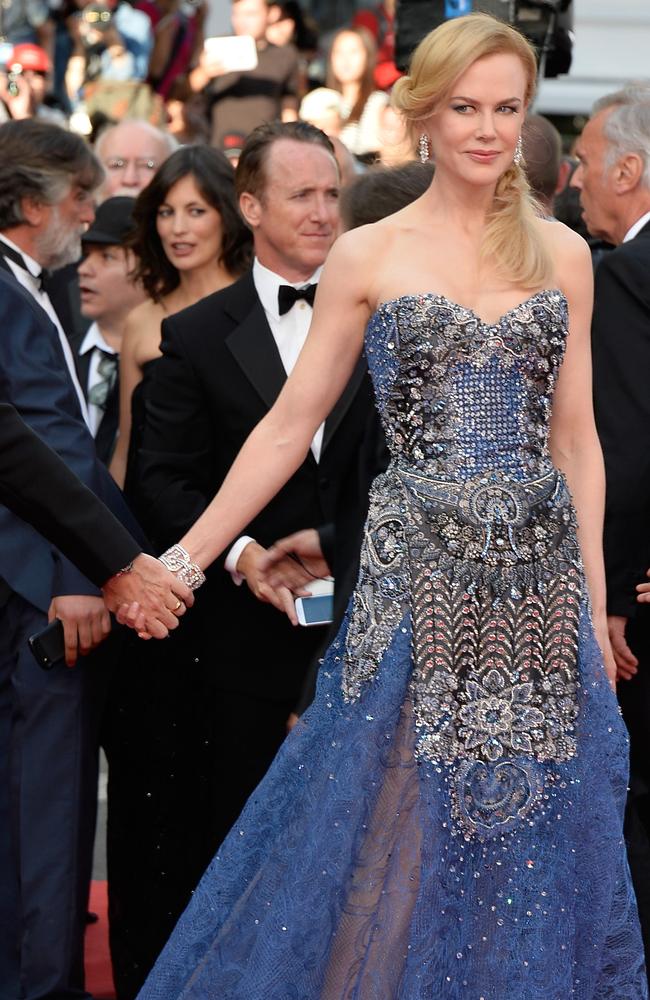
(177,560)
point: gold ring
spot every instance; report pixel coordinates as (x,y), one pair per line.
(177,605)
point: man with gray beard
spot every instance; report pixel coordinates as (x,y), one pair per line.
(44,210)
(48,720)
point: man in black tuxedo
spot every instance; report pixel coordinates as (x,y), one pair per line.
(224,362)
(108,293)
(614,181)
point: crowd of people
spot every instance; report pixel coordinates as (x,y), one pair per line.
(87,62)
(164,224)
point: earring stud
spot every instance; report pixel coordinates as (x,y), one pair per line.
(424,147)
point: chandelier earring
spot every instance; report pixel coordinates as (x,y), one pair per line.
(424,147)
(518,158)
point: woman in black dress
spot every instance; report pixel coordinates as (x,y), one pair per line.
(190,241)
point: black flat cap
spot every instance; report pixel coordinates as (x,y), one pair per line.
(113,222)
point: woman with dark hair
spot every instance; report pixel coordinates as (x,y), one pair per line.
(350,70)
(190,241)
(159,725)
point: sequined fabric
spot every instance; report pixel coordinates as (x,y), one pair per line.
(446,820)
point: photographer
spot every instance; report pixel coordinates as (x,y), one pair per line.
(241,99)
(25,83)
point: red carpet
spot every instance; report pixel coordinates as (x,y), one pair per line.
(99,981)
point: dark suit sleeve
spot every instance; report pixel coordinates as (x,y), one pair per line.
(38,486)
(35,380)
(177,474)
(621,359)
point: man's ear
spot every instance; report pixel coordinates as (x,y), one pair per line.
(250,208)
(628,173)
(564,173)
(32,210)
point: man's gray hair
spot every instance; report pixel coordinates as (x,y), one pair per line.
(627,127)
(40,160)
(166,138)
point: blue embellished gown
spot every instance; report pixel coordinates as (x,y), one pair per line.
(445,823)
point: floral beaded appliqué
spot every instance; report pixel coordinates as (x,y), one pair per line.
(471,536)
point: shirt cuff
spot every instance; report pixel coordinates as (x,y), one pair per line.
(233,558)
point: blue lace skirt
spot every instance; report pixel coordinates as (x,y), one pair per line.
(349,877)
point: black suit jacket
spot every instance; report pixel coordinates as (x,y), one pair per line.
(219,374)
(107,431)
(38,486)
(621,359)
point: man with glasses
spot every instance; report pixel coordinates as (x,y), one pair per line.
(130,153)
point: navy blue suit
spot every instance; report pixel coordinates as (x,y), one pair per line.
(48,721)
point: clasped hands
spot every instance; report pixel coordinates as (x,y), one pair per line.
(148,598)
(279,574)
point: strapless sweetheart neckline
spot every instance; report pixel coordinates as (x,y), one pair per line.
(467,309)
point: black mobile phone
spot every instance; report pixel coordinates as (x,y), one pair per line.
(48,645)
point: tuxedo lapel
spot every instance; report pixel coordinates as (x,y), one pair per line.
(253,347)
(345,400)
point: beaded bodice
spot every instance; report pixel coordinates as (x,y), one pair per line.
(458,396)
(470,545)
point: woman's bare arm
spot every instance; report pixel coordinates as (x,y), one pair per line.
(574,443)
(279,443)
(130,376)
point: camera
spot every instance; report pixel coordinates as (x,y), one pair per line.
(12,80)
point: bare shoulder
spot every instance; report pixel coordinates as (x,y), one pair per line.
(142,330)
(145,314)
(369,238)
(569,251)
(358,256)
(573,270)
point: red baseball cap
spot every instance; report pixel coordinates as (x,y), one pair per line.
(29,56)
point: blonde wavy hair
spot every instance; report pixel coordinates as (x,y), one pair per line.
(512,236)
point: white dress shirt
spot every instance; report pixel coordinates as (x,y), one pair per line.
(289,333)
(636,228)
(94,341)
(30,280)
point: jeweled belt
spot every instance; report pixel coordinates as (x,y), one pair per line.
(489,498)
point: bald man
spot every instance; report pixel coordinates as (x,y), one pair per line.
(130,153)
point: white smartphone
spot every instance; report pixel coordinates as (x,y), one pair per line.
(237,53)
(317,609)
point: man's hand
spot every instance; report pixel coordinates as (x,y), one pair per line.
(251,564)
(308,565)
(643,591)
(626,661)
(20,101)
(149,598)
(86,623)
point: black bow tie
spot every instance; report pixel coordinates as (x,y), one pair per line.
(288,296)
(18,259)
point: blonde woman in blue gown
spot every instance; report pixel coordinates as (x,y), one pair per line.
(446,820)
